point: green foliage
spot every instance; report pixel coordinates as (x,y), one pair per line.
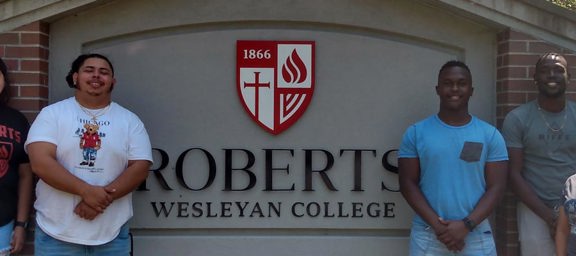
(568,4)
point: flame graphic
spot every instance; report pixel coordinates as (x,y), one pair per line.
(4,152)
(294,69)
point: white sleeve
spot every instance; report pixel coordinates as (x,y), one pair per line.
(44,128)
(139,147)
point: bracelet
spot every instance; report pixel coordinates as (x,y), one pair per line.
(21,224)
(470,225)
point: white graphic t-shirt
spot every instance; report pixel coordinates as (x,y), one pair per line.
(96,151)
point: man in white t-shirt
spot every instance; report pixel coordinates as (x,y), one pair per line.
(90,154)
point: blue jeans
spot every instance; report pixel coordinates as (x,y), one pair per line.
(6,237)
(45,245)
(480,242)
(89,154)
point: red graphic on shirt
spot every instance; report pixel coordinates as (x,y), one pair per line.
(90,143)
(5,154)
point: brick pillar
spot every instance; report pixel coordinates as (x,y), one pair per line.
(517,55)
(25,51)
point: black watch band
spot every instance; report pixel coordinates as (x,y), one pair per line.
(470,225)
(20,224)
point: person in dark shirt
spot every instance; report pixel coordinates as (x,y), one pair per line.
(16,177)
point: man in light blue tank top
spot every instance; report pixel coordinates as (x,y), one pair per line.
(452,172)
(541,140)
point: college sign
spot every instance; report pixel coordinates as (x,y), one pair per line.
(263,183)
(275,81)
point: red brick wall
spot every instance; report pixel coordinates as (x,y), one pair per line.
(517,55)
(25,52)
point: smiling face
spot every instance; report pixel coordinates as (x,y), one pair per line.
(94,79)
(551,76)
(454,88)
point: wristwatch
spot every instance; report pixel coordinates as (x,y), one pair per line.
(21,224)
(470,225)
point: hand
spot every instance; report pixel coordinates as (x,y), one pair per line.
(84,211)
(552,221)
(552,228)
(98,198)
(441,229)
(453,235)
(18,239)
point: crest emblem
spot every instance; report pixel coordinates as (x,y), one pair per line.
(275,81)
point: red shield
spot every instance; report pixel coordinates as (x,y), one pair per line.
(275,81)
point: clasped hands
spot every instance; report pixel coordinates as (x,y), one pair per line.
(95,200)
(451,233)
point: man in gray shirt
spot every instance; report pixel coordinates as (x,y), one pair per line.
(541,140)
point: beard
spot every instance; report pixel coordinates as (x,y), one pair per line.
(557,92)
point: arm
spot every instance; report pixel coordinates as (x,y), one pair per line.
(495,175)
(562,231)
(137,170)
(127,182)
(45,165)
(513,130)
(409,176)
(130,179)
(523,190)
(496,178)
(25,184)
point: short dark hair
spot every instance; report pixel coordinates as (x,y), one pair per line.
(551,55)
(455,63)
(77,63)
(5,94)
